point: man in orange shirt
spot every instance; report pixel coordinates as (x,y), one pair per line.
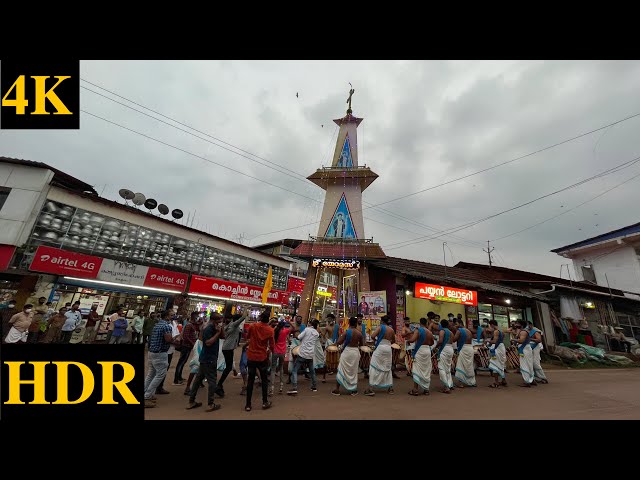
(260,337)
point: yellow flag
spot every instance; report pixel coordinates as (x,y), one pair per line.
(267,286)
(273,312)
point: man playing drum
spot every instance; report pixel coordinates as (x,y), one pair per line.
(363,329)
(465,372)
(347,375)
(308,339)
(296,329)
(498,354)
(445,355)
(407,333)
(422,340)
(536,347)
(381,361)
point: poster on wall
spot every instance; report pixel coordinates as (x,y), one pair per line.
(472,314)
(373,304)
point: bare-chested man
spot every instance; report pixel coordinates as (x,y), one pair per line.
(347,375)
(422,339)
(445,355)
(465,373)
(380,375)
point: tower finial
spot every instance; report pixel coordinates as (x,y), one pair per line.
(351,92)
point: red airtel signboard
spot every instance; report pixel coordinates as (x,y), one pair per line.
(235,291)
(72,264)
(63,262)
(446,294)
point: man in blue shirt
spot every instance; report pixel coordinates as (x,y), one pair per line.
(208,364)
(160,340)
(73,319)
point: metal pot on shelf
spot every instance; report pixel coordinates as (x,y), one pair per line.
(66,212)
(51,207)
(96,220)
(50,236)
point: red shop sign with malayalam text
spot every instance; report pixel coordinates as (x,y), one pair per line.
(63,262)
(446,294)
(234,291)
(159,278)
(295,284)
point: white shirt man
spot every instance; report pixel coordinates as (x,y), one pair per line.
(308,339)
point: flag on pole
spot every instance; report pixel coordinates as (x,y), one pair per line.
(268,283)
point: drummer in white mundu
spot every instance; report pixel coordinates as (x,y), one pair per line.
(347,375)
(380,375)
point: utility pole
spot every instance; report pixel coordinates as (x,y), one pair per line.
(488,252)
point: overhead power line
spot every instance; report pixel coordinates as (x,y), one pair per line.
(196,155)
(295,175)
(569,210)
(609,171)
(298,176)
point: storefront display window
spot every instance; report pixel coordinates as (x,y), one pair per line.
(501,314)
(82,231)
(107,301)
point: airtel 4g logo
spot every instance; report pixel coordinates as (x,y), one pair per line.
(67,262)
(40,95)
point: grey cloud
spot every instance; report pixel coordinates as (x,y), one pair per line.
(424,123)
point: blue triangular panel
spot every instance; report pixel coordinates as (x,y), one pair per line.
(345,159)
(341,225)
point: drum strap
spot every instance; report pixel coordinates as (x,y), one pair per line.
(347,339)
(336,330)
(447,333)
(383,330)
(421,338)
(462,339)
(364,331)
(479,335)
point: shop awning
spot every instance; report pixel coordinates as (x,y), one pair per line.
(474,284)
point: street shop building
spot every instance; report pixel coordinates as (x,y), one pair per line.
(571,311)
(76,245)
(415,288)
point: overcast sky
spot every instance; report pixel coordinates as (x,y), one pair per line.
(425,123)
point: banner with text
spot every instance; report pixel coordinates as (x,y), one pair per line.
(234,291)
(446,294)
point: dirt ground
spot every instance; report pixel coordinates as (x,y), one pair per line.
(570,394)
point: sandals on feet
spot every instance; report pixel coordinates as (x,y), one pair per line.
(247,408)
(213,407)
(267,405)
(494,385)
(194,405)
(414,393)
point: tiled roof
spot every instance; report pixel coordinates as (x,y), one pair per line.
(355,250)
(509,275)
(447,275)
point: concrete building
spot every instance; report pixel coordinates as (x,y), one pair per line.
(610,260)
(60,240)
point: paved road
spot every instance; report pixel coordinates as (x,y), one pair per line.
(571,394)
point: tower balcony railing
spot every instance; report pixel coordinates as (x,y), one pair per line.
(340,240)
(364,167)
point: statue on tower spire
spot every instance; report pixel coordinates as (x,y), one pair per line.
(351,92)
